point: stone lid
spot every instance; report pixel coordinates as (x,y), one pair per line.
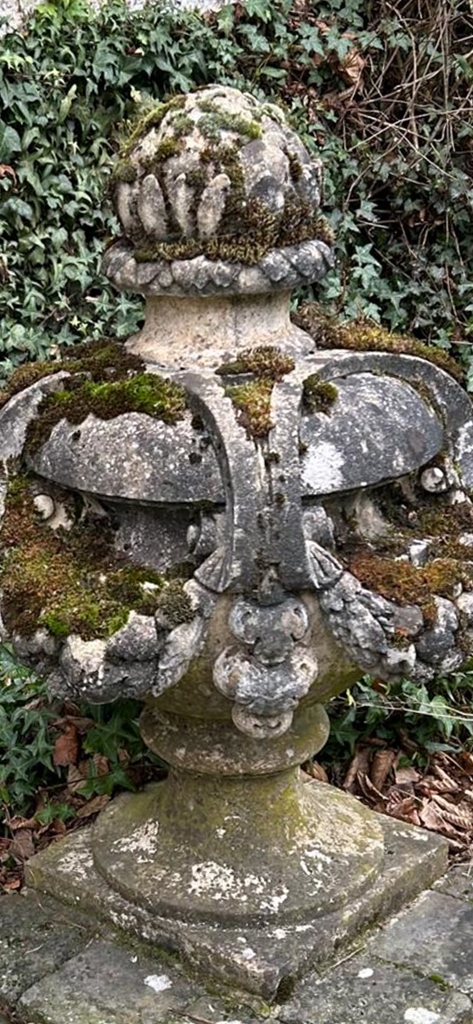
(216,194)
(378,428)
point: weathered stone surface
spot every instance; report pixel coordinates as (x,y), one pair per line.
(109,984)
(434,936)
(36,936)
(137,641)
(337,445)
(457,882)
(412,861)
(369,991)
(132,457)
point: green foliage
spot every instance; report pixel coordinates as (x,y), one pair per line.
(385,96)
(438,718)
(28,732)
(26,748)
(115,732)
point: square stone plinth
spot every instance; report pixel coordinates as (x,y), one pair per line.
(265,961)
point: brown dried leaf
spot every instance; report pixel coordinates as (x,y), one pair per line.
(17,822)
(368,789)
(431,816)
(383,762)
(22,845)
(449,785)
(101,764)
(314,770)
(12,884)
(466,761)
(7,171)
(360,763)
(66,748)
(460,814)
(93,806)
(76,777)
(405,775)
(404,809)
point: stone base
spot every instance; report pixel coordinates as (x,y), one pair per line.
(262,960)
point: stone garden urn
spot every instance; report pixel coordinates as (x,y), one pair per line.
(233,526)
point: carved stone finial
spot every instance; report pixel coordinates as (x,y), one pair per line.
(218,198)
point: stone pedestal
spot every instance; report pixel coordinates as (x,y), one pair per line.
(213,929)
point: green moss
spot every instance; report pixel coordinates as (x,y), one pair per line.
(438,980)
(152,119)
(182,124)
(267,364)
(248,228)
(101,360)
(262,361)
(319,395)
(363,336)
(124,171)
(174,605)
(70,581)
(215,121)
(167,148)
(254,403)
(144,392)
(26,375)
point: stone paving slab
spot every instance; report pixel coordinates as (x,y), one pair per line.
(37,935)
(457,882)
(367,991)
(435,936)
(110,984)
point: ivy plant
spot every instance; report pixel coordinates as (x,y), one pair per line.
(382,94)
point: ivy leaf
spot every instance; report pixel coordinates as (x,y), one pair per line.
(10,142)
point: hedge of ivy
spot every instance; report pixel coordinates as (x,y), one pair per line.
(383,91)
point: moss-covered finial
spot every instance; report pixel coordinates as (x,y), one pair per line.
(219,174)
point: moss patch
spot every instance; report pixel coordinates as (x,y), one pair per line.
(248,229)
(318,395)
(405,584)
(259,232)
(152,119)
(363,336)
(254,402)
(263,361)
(266,364)
(100,360)
(174,605)
(68,581)
(144,392)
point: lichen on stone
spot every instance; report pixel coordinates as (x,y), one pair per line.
(318,395)
(366,336)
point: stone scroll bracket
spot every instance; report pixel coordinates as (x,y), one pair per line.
(267,671)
